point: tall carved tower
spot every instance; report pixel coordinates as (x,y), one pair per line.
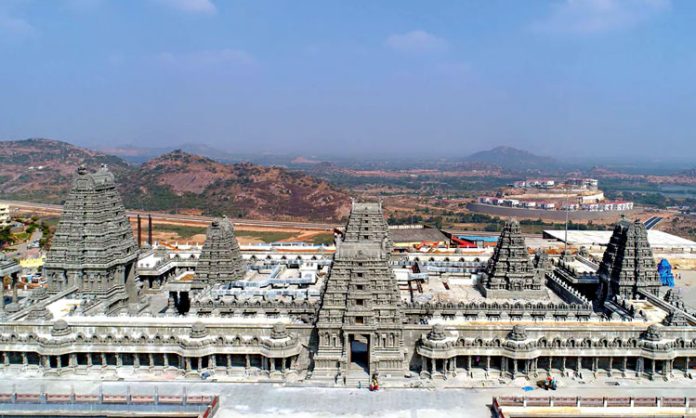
(628,264)
(220,260)
(360,322)
(93,247)
(510,272)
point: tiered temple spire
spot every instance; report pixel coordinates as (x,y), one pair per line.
(361,302)
(221,260)
(628,264)
(510,272)
(93,247)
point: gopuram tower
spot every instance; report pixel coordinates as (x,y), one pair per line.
(93,249)
(220,260)
(360,324)
(510,273)
(628,264)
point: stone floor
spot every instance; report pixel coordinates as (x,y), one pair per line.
(247,400)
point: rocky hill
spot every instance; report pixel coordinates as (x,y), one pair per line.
(187,181)
(512,159)
(41,170)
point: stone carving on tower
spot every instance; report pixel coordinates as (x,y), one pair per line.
(628,264)
(93,248)
(220,260)
(510,273)
(361,303)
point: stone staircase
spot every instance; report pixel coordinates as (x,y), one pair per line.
(357,377)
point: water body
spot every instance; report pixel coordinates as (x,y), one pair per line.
(678,190)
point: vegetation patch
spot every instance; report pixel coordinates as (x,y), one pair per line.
(183,231)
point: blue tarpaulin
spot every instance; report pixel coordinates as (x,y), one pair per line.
(665,271)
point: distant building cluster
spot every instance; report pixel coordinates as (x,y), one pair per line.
(570,183)
(531,204)
(574,194)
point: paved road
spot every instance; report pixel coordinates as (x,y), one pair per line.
(651,222)
(268,400)
(204,220)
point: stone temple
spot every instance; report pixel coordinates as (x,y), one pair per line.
(114,310)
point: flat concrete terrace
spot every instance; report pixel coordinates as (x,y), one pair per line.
(274,282)
(685,286)
(446,289)
(659,240)
(272,400)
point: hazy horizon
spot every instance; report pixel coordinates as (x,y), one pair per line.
(574,80)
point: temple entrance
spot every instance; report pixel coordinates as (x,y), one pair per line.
(360,352)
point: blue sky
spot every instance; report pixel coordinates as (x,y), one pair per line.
(587,78)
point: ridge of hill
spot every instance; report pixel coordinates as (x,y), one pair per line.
(41,170)
(512,158)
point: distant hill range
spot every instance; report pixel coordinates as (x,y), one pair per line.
(41,170)
(138,155)
(510,158)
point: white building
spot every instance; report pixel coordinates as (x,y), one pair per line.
(4,215)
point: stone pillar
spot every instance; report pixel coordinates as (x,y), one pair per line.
(611,365)
(119,360)
(187,363)
(59,362)
(103,359)
(594,363)
(624,366)
(151,360)
(686,365)
(563,364)
(468,365)
(45,362)
(136,360)
(72,360)
(15,279)
(424,364)
(488,363)
(454,365)
(165,359)
(652,368)
(272,360)
(514,368)
(639,366)
(550,364)
(666,368)
(247,362)
(212,361)
(432,367)
(24,358)
(578,366)
(199,363)
(89,359)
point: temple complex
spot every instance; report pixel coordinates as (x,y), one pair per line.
(113,310)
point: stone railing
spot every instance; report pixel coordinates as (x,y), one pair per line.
(566,291)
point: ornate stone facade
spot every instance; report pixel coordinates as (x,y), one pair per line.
(361,305)
(220,260)
(93,248)
(628,264)
(510,273)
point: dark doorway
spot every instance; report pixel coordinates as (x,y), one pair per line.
(360,352)
(184,303)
